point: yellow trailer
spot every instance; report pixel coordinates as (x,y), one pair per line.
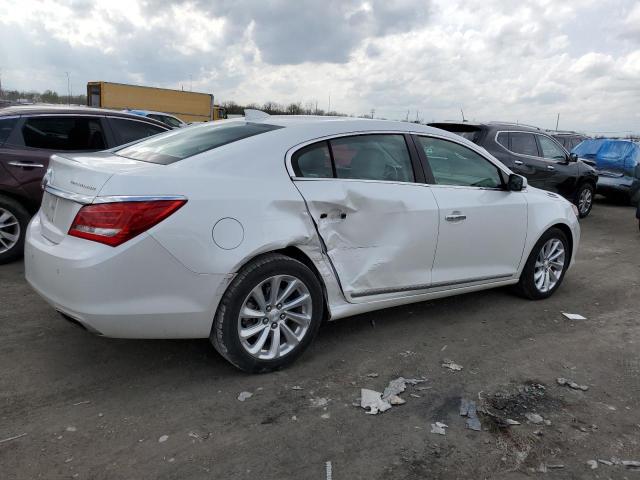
(188,106)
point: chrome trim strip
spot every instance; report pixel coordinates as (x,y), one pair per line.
(87,199)
(382,291)
(26,164)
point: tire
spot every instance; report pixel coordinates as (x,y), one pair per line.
(584,199)
(526,286)
(14,219)
(244,290)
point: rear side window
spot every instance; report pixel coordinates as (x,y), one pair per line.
(179,144)
(313,161)
(523,143)
(6,127)
(454,164)
(128,131)
(63,133)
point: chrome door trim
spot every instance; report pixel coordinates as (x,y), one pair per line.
(26,164)
(67,195)
(88,199)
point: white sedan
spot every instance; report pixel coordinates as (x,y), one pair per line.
(251,232)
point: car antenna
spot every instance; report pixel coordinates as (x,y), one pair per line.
(252,115)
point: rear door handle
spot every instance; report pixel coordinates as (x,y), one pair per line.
(517,162)
(455,217)
(26,164)
(550,167)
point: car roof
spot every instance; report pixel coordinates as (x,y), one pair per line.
(501,125)
(70,110)
(149,112)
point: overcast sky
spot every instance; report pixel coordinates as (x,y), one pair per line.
(496,59)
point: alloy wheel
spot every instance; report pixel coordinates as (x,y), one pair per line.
(9,230)
(549,265)
(275,317)
(585,200)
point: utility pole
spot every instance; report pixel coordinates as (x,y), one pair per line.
(462,112)
(407,119)
(329,109)
(190,83)
(68,88)
(417,116)
(316,107)
(557,121)
(1,83)
(373,111)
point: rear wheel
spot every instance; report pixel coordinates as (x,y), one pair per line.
(584,199)
(14,219)
(545,268)
(269,314)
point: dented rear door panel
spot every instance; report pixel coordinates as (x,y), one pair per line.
(380,236)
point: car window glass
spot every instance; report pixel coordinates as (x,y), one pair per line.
(503,139)
(550,149)
(132,130)
(63,133)
(174,122)
(523,143)
(313,161)
(181,143)
(454,164)
(372,157)
(6,126)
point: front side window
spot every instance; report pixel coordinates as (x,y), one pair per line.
(551,149)
(131,130)
(6,127)
(313,161)
(454,164)
(185,142)
(63,133)
(372,157)
(503,139)
(523,143)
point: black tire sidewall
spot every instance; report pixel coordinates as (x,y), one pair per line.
(527,282)
(580,190)
(237,293)
(23,217)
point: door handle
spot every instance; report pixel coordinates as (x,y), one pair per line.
(550,167)
(26,164)
(517,162)
(455,217)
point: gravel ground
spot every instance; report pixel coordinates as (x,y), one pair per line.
(100,408)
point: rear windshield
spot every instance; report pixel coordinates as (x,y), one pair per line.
(179,144)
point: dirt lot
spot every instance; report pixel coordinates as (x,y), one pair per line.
(99,408)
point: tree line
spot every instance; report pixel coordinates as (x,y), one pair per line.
(48,96)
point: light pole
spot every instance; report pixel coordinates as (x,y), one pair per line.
(68,88)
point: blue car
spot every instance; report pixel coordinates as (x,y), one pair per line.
(618,166)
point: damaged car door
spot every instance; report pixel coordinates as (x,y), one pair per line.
(379,225)
(483,225)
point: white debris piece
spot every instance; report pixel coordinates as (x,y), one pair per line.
(396,400)
(631,463)
(439,428)
(319,402)
(373,401)
(329,470)
(71,429)
(372,375)
(534,418)
(242,396)
(573,316)
(509,421)
(325,416)
(15,437)
(451,365)
(163,438)
(572,384)
(297,387)
(605,462)
(592,464)
(394,388)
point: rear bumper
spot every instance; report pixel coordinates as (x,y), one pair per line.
(626,185)
(136,290)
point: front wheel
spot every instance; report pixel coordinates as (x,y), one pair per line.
(584,199)
(269,314)
(14,219)
(545,268)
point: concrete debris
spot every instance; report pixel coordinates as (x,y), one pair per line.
(407,353)
(631,463)
(325,416)
(372,375)
(439,428)
(572,384)
(542,468)
(297,387)
(468,409)
(451,365)
(396,400)
(163,438)
(534,418)
(395,387)
(82,403)
(592,464)
(242,396)
(415,381)
(573,316)
(605,462)
(12,438)
(372,400)
(71,429)
(510,421)
(414,395)
(328,470)
(556,466)
(319,402)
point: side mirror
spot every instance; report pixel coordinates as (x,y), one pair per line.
(516,183)
(573,157)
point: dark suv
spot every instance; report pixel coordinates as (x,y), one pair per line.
(534,154)
(569,140)
(30,135)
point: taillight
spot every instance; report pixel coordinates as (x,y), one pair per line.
(115,223)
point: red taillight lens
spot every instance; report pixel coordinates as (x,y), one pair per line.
(115,223)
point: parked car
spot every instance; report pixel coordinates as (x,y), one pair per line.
(28,137)
(618,166)
(251,232)
(169,120)
(568,139)
(534,154)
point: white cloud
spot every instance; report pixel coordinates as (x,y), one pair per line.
(524,61)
